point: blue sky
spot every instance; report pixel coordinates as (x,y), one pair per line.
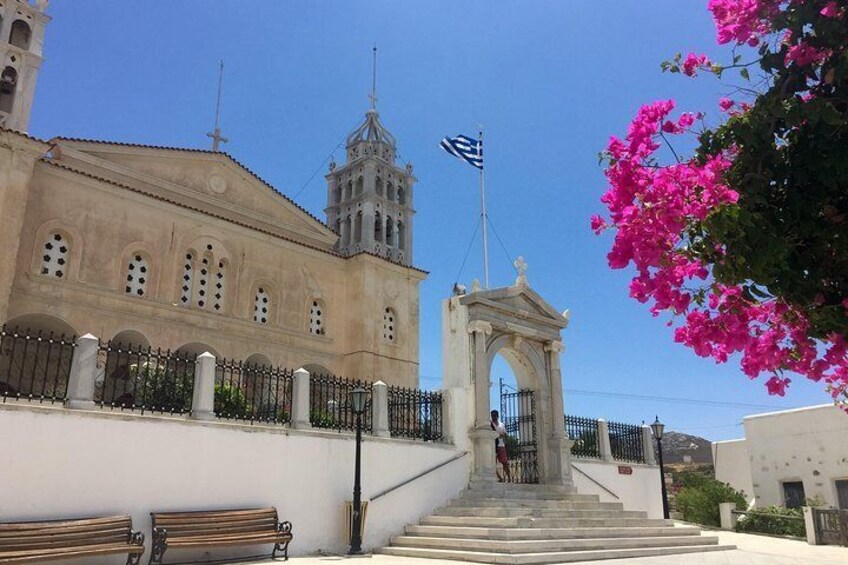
(549,81)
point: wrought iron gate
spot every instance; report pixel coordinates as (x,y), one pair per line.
(831,526)
(518,413)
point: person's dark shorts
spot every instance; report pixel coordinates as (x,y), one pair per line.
(501,453)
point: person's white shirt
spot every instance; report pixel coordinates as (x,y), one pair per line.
(501,429)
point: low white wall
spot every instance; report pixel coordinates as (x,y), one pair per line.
(732,463)
(638,491)
(62,463)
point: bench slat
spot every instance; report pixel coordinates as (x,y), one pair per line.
(214,527)
(201,514)
(228,542)
(65,525)
(68,552)
(51,541)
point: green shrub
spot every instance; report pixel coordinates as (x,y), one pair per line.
(157,388)
(230,402)
(512,448)
(699,501)
(322,419)
(769,521)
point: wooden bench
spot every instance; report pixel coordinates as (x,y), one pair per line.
(36,542)
(218,528)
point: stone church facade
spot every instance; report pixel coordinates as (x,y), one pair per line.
(189,250)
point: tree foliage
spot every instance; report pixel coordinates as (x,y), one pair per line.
(746,241)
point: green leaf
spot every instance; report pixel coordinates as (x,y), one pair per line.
(744,73)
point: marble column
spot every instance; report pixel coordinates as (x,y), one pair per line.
(559,446)
(482,436)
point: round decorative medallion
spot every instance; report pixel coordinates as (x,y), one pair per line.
(217,184)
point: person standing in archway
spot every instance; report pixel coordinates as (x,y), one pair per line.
(500,447)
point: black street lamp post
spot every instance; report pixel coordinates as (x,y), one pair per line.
(658,428)
(358,398)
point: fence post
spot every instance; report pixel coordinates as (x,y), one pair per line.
(83,373)
(648,446)
(203,397)
(726,515)
(810,526)
(380,409)
(604,447)
(300,400)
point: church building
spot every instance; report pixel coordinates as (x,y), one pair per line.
(189,250)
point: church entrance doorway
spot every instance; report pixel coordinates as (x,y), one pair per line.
(518,413)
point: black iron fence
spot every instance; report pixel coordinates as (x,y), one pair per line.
(584,433)
(626,442)
(252,392)
(34,364)
(140,378)
(415,414)
(330,403)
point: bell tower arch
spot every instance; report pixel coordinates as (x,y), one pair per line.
(21,38)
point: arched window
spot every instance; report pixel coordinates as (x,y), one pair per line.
(357,228)
(188,279)
(346,232)
(349,191)
(261,306)
(390,232)
(316,318)
(137,274)
(359,185)
(378,227)
(54,262)
(378,186)
(220,279)
(20,34)
(204,282)
(8,86)
(389,318)
(401,236)
(338,194)
(401,195)
(390,192)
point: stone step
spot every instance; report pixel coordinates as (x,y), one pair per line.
(496,512)
(525,522)
(470,532)
(548,545)
(536,503)
(549,557)
(545,492)
(519,487)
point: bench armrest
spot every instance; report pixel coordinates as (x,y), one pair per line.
(136,538)
(284,527)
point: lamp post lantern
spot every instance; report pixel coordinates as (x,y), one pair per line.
(358,399)
(658,427)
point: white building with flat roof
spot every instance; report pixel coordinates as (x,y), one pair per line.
(789,457)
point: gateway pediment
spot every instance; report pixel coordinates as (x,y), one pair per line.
(517,304)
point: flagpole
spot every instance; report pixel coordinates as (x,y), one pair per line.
(485,217)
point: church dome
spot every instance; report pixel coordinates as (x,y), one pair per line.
(371,130)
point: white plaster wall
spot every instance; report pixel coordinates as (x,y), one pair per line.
(639,491)
(733,465)
(807,444)
(60,463)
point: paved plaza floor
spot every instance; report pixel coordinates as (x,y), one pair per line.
(752,550)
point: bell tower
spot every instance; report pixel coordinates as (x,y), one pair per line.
(369,197)
(21,38)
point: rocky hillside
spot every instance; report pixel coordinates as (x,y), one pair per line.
(683,448)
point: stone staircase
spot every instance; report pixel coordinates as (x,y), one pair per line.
(530,524)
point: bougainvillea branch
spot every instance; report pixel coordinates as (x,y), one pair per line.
(745,243)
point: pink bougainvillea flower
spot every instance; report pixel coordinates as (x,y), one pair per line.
(777,386)
(598,224)
(831,10)
(804,54)
(725,104)
(694,62)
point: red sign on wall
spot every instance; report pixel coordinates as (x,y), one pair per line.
(625,470)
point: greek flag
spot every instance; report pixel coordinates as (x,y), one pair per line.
(465,148)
